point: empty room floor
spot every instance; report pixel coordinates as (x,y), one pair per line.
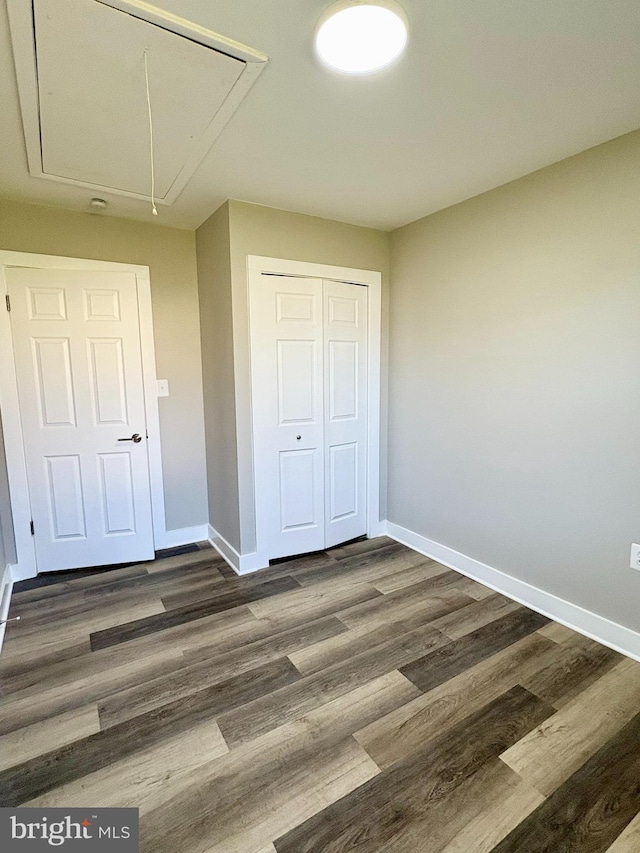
(363,699)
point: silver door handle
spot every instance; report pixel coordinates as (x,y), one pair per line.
(135,438)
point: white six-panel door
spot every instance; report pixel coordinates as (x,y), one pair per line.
(78,363)
(288,400)
(309,363)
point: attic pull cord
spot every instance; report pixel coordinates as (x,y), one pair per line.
(153,177)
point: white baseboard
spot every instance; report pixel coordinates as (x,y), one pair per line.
(6,587)
(609,633)
(242,564)
(183,536)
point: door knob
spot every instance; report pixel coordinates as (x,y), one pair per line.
(136,438)
(298,437)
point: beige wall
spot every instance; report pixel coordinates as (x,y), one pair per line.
(514,389)
(170,254)
(214,283)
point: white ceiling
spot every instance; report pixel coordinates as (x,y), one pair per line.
(487,91)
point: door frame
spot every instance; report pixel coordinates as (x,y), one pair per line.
(256,265)
(26,566)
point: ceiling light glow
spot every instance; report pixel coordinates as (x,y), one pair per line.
(358,39)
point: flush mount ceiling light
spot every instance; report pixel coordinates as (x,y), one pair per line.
(358,38)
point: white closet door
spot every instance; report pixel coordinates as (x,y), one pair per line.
(77,351)
(345,417)
(286,355)
(309,383)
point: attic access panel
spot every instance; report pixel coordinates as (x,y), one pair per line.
(81,81)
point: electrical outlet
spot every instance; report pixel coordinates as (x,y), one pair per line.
(635,557)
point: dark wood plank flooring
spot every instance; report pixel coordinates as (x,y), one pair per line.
(362,699)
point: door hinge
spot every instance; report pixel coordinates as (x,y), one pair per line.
(7,301)
(33,529)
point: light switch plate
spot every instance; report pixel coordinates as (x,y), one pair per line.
(635,557)
(163,387)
